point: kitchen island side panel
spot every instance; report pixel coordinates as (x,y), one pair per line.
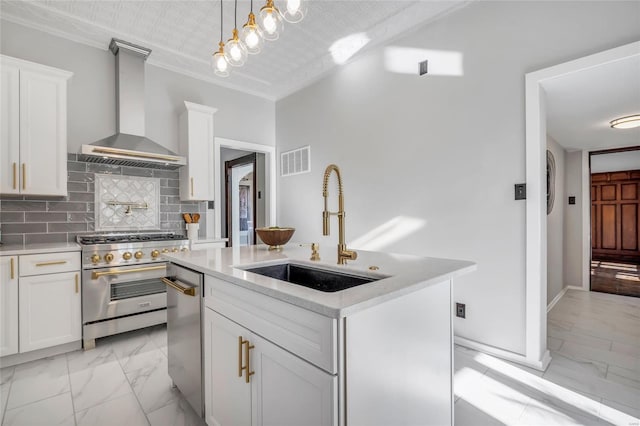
(398,361)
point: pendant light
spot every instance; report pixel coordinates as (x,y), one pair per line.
(270,21)
(294,10)
(252,34)
(236,52)
(219,61)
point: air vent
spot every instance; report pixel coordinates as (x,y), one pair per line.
(296,161)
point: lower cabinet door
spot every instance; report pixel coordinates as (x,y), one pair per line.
(227,394)
(8,305)
(50,310)
(288,391)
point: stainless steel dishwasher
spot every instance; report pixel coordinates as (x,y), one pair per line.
(184,332)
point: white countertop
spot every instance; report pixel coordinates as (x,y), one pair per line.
(405,274)
(19,249)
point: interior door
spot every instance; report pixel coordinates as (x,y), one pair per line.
(229,165)
(615,216)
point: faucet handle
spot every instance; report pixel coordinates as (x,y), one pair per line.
(315,255)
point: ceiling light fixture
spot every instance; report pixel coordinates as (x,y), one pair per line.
(236,52)
(219,61)
(268,27)
(628,122)
(270,21)
(252,34)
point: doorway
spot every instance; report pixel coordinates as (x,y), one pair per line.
(241,200)
(615,222)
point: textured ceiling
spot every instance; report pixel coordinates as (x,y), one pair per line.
(580,105)
(184,34)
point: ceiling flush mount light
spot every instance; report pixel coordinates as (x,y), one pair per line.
(252,34)
(236,52)
(219,61)
(628,122)
(270,21)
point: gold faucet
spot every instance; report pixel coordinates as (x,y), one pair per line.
(343,252)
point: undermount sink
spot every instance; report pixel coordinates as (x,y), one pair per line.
(317,279)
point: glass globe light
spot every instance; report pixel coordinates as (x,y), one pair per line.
(270,21)
(236,52)
(252,35)
(294,11)
(219,62)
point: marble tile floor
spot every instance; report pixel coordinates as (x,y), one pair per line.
(124,381)
(593,378)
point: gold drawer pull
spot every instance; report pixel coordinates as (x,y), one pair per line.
(240,367)
(55,262)
(13,270)
(189,291)
(97,275)
(247,355)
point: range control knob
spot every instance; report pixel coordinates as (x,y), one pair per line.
(95,258)
(165,250)
(155,253)
(138,255)
(175,250)
(184,249)
(108,257)
(126,255)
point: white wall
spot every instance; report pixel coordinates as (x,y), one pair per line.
(574,239)
(555,225)
(91,95)
(431,161)
(614,162)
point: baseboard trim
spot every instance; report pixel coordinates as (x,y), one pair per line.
(557,298)
(539,364)
(576,287)
(10,360)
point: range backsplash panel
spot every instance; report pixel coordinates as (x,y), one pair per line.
(29,219)
(127,203)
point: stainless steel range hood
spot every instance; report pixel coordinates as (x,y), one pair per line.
(129,146)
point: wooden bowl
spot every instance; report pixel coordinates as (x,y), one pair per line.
(275,237)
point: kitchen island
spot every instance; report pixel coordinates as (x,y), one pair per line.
(280,353)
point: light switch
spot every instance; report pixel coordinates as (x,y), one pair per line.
(521,191)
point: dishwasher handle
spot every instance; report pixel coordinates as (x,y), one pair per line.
(189,291)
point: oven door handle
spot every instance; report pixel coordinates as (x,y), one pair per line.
(96,275)
(189,291)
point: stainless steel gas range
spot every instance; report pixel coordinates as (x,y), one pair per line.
(123,282)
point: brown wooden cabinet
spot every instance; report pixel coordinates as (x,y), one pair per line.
(615,216)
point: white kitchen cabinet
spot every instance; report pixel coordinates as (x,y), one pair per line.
(196,144)
(274,387)
(34,128)
(8,305)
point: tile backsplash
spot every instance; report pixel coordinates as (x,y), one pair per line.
(32,219)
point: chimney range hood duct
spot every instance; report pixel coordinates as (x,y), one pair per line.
(129,146)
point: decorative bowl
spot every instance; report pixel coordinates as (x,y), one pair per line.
(275,237)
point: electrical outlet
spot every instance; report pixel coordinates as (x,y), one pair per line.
(461,309)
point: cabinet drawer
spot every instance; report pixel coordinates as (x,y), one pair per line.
(49,263)
(307,334)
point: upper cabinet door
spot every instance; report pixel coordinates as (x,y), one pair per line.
(43,133)
(197,178)
(9,129)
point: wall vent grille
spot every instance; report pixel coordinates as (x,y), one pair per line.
(296,161)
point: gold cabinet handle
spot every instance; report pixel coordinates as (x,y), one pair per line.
(77,284)
(97,275)
(15,176)
(13,271)
(189,291)
(247,356)
(24,175)
(192,187)
(240,367)
(55,262)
